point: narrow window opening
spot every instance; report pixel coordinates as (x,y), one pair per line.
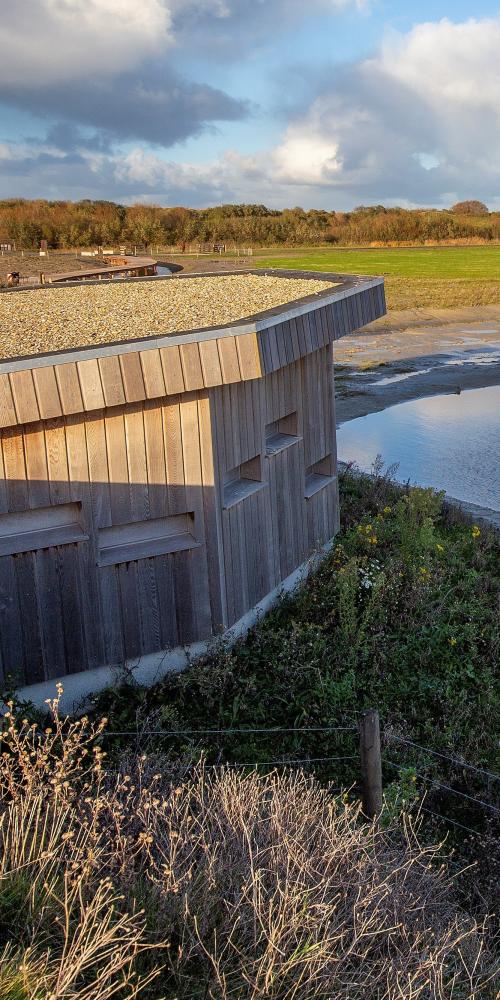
(281,434)
(319,475)
(242,481)
(158,536)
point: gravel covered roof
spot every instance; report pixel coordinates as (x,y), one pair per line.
(52,319)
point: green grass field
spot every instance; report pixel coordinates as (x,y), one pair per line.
(474,263)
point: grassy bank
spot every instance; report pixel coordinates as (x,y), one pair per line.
(439,278)
(439,293)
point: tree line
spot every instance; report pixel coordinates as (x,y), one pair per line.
(66,224)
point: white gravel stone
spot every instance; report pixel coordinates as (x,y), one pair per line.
(50,319)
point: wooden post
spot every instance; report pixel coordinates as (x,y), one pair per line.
(371,763)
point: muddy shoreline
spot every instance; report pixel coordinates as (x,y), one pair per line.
(413,354)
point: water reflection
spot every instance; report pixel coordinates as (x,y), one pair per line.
(451,442)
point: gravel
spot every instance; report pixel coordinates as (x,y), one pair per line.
(35,321)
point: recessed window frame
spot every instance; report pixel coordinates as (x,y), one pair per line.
(281,434)
(124,543)
(319,475)
(41,528)
(242,481)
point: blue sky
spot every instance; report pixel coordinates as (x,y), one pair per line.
(327,104)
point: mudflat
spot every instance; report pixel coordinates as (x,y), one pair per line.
(414,353)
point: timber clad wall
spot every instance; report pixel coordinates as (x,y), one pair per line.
(152,492)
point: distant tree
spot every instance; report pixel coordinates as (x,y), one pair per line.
(470,208)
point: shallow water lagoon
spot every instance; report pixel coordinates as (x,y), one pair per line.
(451,442)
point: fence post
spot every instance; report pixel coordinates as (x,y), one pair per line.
(371,762)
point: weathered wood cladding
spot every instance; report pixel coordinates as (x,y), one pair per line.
(63,607)
(270,532)
(151,496)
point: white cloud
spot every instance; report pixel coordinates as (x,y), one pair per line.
(49,41)
(447,63)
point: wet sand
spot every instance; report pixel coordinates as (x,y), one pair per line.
(416,353)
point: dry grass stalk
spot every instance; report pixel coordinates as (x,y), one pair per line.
(257,886)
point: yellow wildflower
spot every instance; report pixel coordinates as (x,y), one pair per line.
(440,548)
(372,539)
(387,510)
(476,531)
(452,641)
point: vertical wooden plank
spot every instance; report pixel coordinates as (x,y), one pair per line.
(68,383)
(176,495)
(51,613)
(90,384)
(287,342)
(15,469)
(121,513)
(177,504)
(238,556)
(211,513)
(294,339)
(111,378)
(172,370)
(101,516)
(145,582)
(36,466)
(71,604)
(248,356)
(23,392)
(302,335)
(281,345)
(47,393)
(86,552)
(4,500)
(221,464)
(133,382)
(57,462)
(210,363)
(163,565)
(200,597)
(30,618)
(228,356)
(152,372)
(233,443)
(66,558)
(273,348)
(191,366)
(155,458)
(264,351)
(281,391)
(7,410)
(48,451)
(12,639)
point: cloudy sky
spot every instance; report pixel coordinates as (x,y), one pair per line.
(323,103)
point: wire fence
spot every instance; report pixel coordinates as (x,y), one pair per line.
(432,784)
